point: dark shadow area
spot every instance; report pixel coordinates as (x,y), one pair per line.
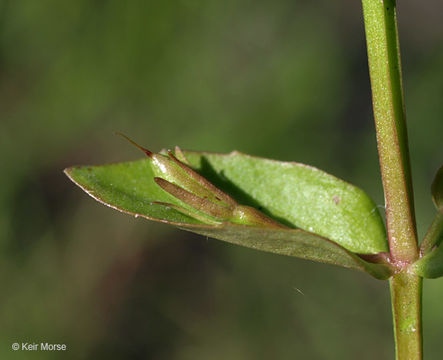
(243,198)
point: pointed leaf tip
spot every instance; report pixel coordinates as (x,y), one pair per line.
(146,151)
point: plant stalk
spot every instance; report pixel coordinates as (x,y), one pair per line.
(380,18)
(406,294)
(387,97)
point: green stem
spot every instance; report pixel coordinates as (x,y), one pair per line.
(387,97)
(406,293)
(380,19)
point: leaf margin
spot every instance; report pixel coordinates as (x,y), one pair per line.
(377,270)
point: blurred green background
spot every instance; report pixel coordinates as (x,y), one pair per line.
(285,80)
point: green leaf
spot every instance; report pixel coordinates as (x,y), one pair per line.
(291,242)
(296,195)
(437,190)
(128,187)
(300,196)
(434,235)
(431,265)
